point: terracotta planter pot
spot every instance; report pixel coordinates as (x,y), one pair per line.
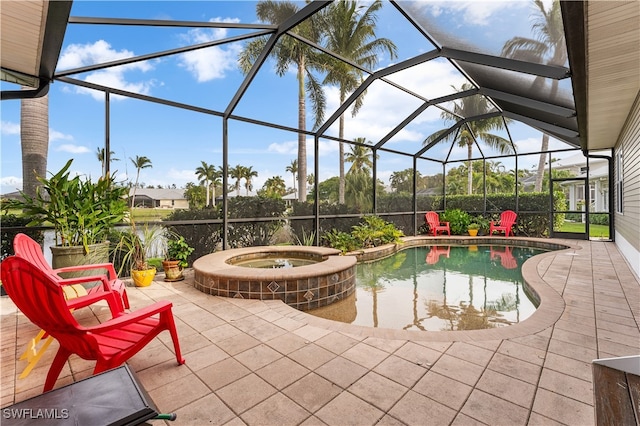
(172,270)
(143,278)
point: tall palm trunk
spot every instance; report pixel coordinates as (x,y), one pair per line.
(341,185)
(302,137)
(34,138)
(544,146)
(469,167)
(133,198)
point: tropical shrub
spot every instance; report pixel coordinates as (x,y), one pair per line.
(178,249)
(373,231)
(459,220)
(343,241)
(82,212)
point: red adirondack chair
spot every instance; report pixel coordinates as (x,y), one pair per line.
(507,220)
(26,248)
(507,260)
(41,299)
(434,254)
(435,226)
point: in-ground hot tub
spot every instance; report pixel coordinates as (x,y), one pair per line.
(301,276)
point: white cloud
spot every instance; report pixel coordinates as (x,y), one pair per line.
(531,144)
(54,135)
(10,184)
(473,12)
(291,147)
(73,149)
(9,128)
(79,55)
(181,177)
(385,106)
(213,62)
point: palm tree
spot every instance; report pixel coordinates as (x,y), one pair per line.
(549,47)
(274,187)
(351,34)
(360,158)
(293,169)
(34,141)
(248,174)
(403,180)
(102,158)
(237,173)
(208,174)
(139,163)
(291,52)
(471,106)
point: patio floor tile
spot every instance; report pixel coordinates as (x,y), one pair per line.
(378,390)
(276,410)
(489,409)
(312,392)
(507,388)
(444,390)
(400,370)
(244,393)
(341,371)
(347,409)
(416,409)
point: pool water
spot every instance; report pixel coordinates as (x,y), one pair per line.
(275,262)
(438,289)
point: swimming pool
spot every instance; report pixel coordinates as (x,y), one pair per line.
(440,288)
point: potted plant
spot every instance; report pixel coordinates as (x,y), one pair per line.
(134,251)
(175,261)
(81,211)
(473,229)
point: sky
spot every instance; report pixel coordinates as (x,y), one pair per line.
(177,140)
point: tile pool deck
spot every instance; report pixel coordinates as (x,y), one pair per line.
(264,363)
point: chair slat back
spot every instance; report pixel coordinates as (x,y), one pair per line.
(41,299)
(27,248)
(508,218)
(433,219)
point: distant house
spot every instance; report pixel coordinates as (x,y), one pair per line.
(159,198)
(16,195)
(598,182)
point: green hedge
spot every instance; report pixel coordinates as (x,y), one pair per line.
(204,238)
(7,235)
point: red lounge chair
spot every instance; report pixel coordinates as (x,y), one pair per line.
(507,260)
(41,299)
(434,254)
(26,248)
(435,226)
(507,220)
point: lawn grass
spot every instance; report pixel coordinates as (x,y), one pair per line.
(595,231)
(150,215)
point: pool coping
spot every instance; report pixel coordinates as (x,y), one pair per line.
(549,311)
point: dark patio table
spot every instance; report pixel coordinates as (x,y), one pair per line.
(114,397)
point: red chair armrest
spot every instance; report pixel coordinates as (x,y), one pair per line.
(108,266)
(116,323)
(82,280)
(83,301)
